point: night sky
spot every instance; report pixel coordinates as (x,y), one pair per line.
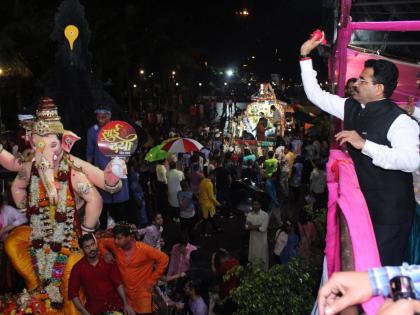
(155,31)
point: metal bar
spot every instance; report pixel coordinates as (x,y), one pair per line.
(390,26)
(366,43)
(375,3)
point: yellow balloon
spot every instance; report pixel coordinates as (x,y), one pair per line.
(71,32)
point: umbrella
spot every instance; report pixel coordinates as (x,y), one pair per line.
(156,154)
(182,145)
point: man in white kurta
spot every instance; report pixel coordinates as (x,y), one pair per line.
(257,223)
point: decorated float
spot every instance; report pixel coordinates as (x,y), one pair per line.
(244,129)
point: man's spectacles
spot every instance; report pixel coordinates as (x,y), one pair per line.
(361,80)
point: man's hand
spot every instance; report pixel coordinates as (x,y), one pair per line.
(310,44)
(409,107)
(252,227)
(351,137)
(128,310)
(109,259)
(343,290)
(401,307)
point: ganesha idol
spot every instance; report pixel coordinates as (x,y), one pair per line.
(50,187)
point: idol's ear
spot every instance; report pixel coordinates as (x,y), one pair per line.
(68,140)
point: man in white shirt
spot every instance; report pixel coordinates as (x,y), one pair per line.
(257,223)
(383,142)
(175,177)
(276,117)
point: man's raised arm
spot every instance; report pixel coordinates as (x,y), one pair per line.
(328,102)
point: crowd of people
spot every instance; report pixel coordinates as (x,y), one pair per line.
(194,193)
(130,264)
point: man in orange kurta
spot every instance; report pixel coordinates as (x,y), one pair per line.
(140,265)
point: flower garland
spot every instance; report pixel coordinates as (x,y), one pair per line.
(53,233)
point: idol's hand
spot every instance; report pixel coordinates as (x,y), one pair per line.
(310,45)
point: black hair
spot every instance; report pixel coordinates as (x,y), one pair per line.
(184,185)
(154,216)
(193,284)
(183,238)
(85,238)
(351,80)
(270,154)
(124,229)
(219,257)
(384,72)
(172,165)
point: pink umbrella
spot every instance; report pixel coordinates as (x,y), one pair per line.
(182,145)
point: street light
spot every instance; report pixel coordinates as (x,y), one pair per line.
(173,72)
(229,72)
(225,83)
(200,84)
(177,84)
(141,72)
(134,85)
(1,71)
(243,12)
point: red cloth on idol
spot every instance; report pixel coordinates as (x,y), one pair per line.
(99,283)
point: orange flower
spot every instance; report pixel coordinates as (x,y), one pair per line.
(46,250)
(65,251)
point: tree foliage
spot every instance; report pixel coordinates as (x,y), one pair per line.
(284,289)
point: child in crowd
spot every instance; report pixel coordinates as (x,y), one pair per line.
(152,234)
(187,208)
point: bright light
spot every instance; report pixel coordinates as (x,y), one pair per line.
(253,57)
(225,83)
(243,12)
(173,72)
(229,72)
(141,71)
(249,84)
(1,71)
(200,84)
(177,84)
(134,85)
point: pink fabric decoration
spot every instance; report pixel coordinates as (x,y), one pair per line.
(345,193)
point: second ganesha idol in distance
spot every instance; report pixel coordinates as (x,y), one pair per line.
(117,139)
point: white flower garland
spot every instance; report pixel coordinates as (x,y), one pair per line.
(50,232)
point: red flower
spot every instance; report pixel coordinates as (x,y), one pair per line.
(33,210)
(60,217)
(37,244)
(62,176)
(56,247)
